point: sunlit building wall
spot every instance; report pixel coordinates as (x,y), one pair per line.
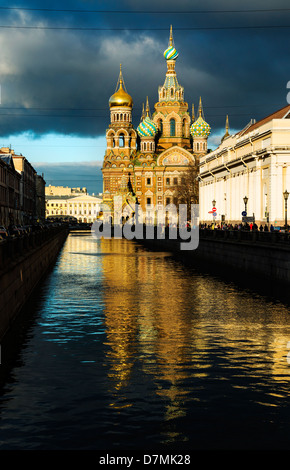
(84,208)
(253,163)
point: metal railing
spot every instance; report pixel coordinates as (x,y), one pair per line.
(12,248)
(253,236)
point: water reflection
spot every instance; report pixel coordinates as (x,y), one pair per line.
(184,329)
(149,351)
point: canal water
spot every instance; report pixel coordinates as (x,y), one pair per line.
(123,348)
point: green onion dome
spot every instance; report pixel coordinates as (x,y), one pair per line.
(200,128)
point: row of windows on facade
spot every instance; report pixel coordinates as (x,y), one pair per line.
(52,204)
(168,200)
(63,212)
(9,198)
(149,182)
(168,181)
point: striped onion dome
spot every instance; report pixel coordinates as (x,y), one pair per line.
(170,53)
(200,128)
(147,128)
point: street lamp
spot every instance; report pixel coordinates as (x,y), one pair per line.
(213,214)
(245,202)
(285,194)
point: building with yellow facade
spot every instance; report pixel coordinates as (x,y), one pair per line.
(84,208)
(249,173)
(145,165)
(51,190)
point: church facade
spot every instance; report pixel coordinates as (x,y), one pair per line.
(145,165)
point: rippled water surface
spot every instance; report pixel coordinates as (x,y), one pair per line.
(131,349)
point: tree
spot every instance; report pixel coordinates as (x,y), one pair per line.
(187,191)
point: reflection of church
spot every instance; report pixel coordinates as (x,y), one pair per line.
(148,163)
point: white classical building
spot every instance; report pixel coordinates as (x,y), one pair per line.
(253,163)
(84,208)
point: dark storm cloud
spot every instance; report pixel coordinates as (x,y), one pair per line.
(64,78)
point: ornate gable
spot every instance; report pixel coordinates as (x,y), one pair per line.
(175,156)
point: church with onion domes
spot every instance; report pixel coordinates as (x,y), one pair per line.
(145,165)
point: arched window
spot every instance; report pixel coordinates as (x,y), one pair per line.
(184,126)
(160,126)
(121,140)
(172,127)
(197,146)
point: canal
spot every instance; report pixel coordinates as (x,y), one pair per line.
(123,348)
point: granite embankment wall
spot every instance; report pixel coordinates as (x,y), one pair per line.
(23,263)
(266,254)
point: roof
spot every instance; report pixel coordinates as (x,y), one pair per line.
(282,113)
(7,158)
(82,198)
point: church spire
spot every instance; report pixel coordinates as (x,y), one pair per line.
(200,110)
(147,108)
(171,90)
(170,53)
(170,38)
(227,124)
(143,113)
(227,127)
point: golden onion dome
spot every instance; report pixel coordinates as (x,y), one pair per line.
(120,97)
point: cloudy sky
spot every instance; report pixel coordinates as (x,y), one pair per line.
(60,63)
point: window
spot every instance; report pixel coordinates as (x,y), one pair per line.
(168,181)
(121,140)
(175,181)
(160,126)
(183,126)
(148,180)
(172,127)
(167,201)
(148,200)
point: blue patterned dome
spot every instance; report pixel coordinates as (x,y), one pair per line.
(200,128)
(147,128)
